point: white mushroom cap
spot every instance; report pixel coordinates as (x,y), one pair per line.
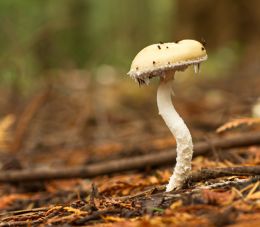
(156,59)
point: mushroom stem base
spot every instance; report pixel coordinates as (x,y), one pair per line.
(181,133)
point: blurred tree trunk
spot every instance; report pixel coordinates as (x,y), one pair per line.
(78,33)
(44,50)
(65,39)
(219,21)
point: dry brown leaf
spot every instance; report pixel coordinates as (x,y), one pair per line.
(254,196)
(52,209)
(247,220)
(164,221)
(7,200)
(237,192)
(236,123)
(113,219)
(216,197)
(5,124)
(247,188)
(176,204)
(75,211)
(243,205)
(122,184)
(251,192)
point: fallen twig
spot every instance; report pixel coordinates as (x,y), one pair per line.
(206,174)
(231,183)
(18,212)
(228,183)
(124,164)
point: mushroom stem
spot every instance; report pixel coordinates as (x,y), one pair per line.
(181,133)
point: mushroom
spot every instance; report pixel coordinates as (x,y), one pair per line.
(162,60)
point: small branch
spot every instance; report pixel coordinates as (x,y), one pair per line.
(234,183)
(207,174)
(125,164)
(19,212)
(231,183)
(161,189)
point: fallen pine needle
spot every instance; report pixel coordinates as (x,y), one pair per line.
(236,123)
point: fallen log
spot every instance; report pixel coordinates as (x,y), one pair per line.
(125,164)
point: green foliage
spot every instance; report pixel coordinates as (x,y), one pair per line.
(222,60)
(40,35)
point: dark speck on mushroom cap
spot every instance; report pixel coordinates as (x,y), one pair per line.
(156,59)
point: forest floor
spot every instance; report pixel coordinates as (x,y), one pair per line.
(64,127)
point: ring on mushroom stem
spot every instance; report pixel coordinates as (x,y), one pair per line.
(169,58)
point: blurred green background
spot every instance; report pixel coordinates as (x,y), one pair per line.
(63,66)
(37,36)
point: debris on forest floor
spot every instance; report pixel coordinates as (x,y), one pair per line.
(223,189)
(217,196)
(124,164)
(213,207)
